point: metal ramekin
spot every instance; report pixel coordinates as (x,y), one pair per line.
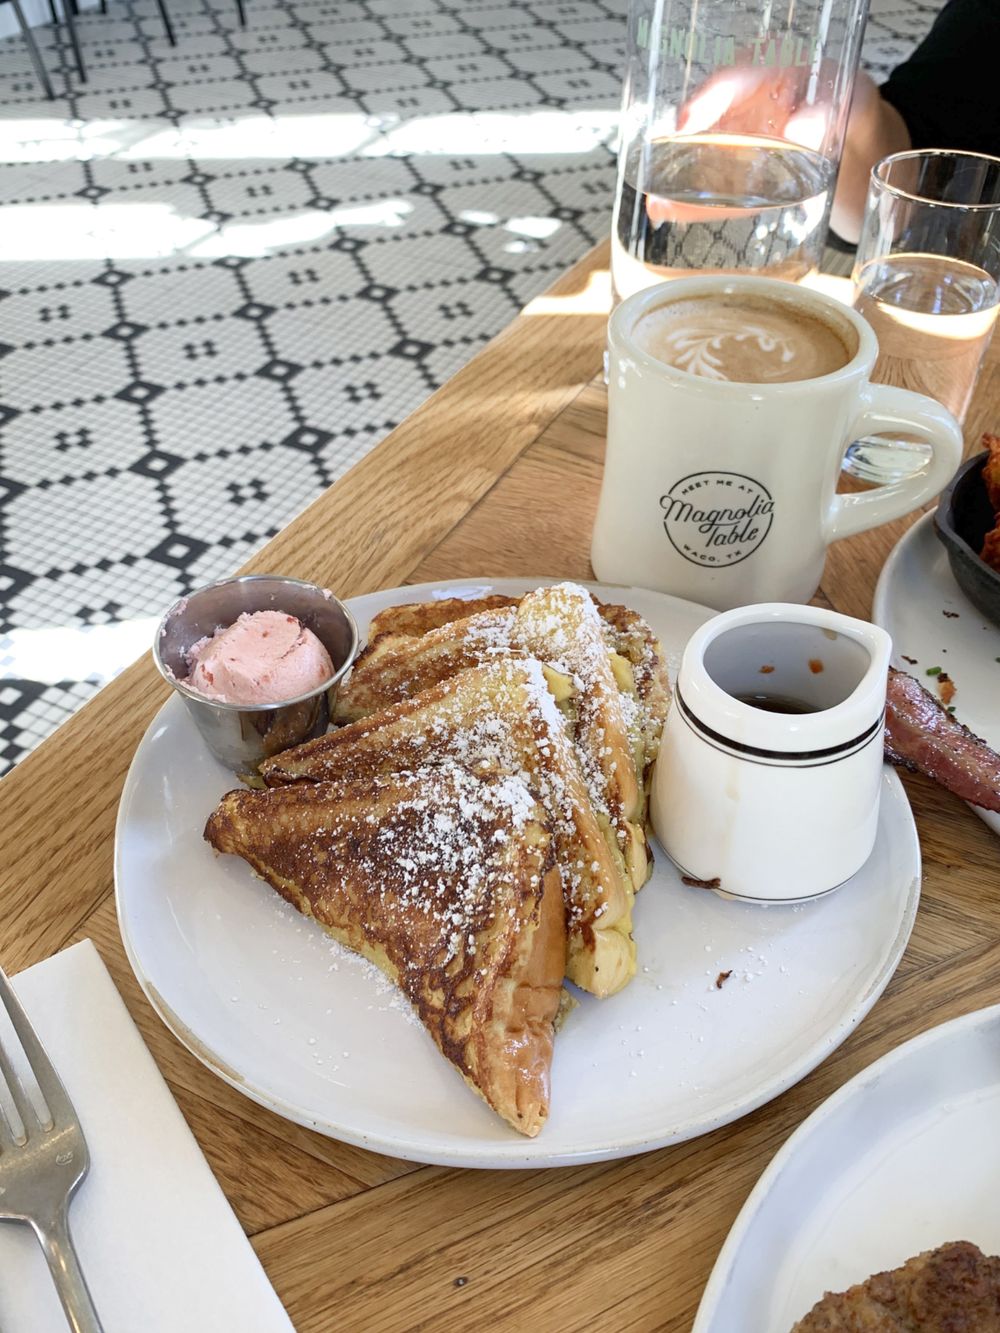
(240,736)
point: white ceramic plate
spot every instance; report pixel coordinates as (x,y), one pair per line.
(931,620)
(902,1159)
(264,998)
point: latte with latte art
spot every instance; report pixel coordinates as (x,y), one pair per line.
(740,339)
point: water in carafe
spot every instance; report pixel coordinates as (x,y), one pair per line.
(721,202)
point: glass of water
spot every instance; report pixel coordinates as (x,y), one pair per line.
(927,279)
(733,120)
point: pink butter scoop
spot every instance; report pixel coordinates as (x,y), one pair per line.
(265,657)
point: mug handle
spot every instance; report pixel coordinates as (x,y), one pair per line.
(909,413)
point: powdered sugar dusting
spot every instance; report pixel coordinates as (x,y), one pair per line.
(436,850)
(563,625)
(491,741)
(391,997)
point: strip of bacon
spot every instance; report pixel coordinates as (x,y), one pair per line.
(921,736)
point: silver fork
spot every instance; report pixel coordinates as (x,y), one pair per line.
(42,1166)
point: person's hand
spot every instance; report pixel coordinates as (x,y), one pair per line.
(749,100)
(770,102)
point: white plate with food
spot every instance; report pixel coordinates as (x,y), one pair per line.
(937,632)
(901,1160)
(731,1003)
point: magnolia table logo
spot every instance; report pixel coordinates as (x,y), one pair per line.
(716,518)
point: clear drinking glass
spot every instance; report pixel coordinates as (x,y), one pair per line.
(733,120)
(926,279)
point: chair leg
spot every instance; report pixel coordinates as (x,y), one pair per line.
(166,22)
(33,51)
(71,25)
(52,11)
(242,13)
(104,6)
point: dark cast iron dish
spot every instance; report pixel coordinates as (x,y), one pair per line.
(962,520)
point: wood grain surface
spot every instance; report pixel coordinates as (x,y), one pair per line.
(497,474)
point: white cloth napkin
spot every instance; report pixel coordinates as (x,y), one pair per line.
(157,1239)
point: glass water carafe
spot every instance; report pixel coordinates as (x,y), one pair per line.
(733,121)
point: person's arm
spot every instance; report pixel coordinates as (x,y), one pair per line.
(874,130)
(946,95)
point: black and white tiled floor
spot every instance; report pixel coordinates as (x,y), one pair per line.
(228,268)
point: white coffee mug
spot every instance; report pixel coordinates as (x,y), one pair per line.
(725,493)
(774,806)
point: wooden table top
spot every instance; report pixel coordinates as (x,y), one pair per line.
(497,474)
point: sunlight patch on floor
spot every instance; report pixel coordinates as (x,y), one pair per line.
(59,653)
(321,136)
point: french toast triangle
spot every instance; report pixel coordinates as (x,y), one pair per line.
(499,718)
(416,618)
(561,626)
(447,882)
(602,664)
(637,659)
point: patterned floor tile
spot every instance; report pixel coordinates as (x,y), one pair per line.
(42,448)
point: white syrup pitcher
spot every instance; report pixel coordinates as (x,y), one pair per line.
(768,779)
